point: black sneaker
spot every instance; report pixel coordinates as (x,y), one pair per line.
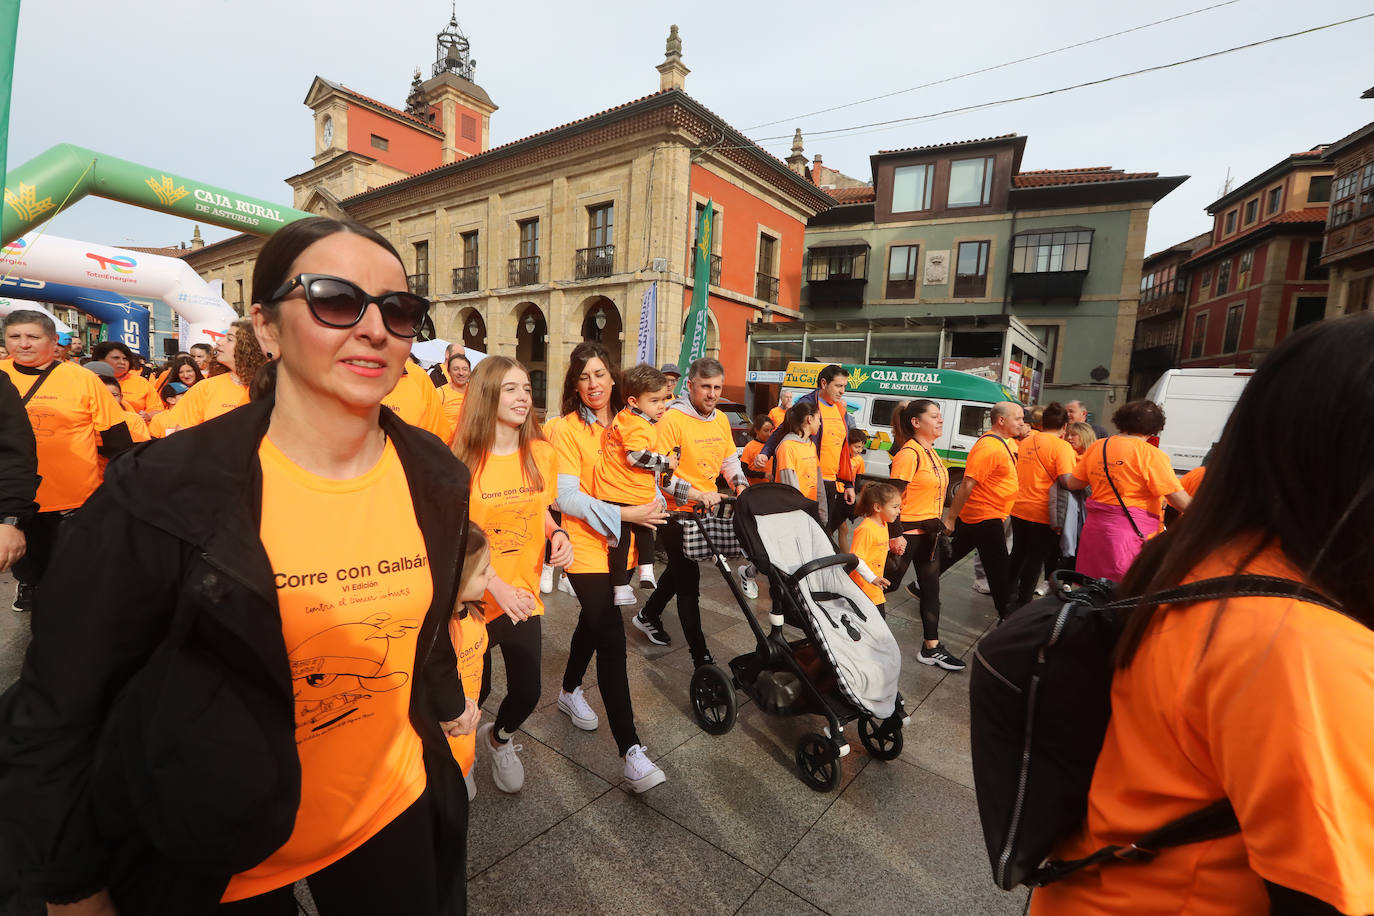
(652,629)
(940,656)
(704,660)
(913,590)
(23,598)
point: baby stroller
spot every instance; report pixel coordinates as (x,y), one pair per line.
(846,663)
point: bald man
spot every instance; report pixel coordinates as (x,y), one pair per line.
(982,502)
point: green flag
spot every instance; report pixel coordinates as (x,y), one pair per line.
(9,30)
(694,334)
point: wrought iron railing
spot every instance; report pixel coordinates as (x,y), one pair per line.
(465,279)
(523,271)
(598,261)
(715,268)
(419,284)
(766,288)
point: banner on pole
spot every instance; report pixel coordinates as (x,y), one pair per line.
(9,33)
(646,351)
(694,334)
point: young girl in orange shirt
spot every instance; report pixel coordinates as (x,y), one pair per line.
(468,630)
(795,460)
(878,506)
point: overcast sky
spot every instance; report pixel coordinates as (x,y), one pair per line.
(213,89)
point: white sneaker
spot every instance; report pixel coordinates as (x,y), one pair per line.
(546,579)
(643,774)
(624,595)
(506,769)
(577,709)
(1042,589)
(748,583)
(981,587)
(646,576)
(565,585)
(471,782)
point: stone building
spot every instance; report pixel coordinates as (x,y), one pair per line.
(1159,319)
(1349,240)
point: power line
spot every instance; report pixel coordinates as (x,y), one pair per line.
(1010,63)
(1097,82)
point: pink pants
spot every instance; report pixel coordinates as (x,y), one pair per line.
(1108,545)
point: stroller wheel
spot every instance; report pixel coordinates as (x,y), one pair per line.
(818,763)
(713,700)
(883,740)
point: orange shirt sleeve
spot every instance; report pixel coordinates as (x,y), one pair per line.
(637,434)
(1065,459)
(1159,473)
(1191,480)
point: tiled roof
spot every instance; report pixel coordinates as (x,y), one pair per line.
(170,251)
(852,195)
(913,149)
(1305,216)
(405,116)
(1096,174)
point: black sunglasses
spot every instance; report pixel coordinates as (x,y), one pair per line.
(337,303)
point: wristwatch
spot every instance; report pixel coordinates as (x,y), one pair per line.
(10,520)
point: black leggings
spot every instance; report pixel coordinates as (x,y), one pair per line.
(520,649)
(924,559)
(642,538)
(601,631)
(681,580)
(1034,550)
(366,881)
(989,537)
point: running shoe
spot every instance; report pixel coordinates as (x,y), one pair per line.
(23,598)
(576,707)
(546,580)
(1042,589)
(646,576)
(748,583)
(624,596)
(565,585)
(703,660)
(652,629)
(641,772)
(506,769)
(940,656)
(981,587)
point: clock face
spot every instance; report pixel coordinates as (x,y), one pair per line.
(328,131)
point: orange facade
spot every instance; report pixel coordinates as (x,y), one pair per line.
(410,149)
(467,128)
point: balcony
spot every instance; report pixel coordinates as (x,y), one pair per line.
(523,271)
(1155,303)
(598,261)
(766,288)
(1062,284)
(715,268)
(419,284)
(465,279)
(834,291)
(1154,358)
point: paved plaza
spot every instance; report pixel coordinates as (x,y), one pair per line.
(733,830)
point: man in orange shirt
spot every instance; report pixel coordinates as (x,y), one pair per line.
(1044,460)
(777,413)
(983,501)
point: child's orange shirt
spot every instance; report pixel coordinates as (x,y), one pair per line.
(469,635)
(615,479)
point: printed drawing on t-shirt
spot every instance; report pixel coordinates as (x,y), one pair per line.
(509,530)
(336,670)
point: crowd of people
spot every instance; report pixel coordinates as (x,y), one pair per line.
(288,683)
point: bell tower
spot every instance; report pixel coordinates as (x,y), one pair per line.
(460,108)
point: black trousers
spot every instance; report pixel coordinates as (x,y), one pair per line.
(40,536)
(520,649)
(394,872)
(1034,553)
(601,631)
(681,580)
(989,538)
(641,537)
(837,510)
(923,557)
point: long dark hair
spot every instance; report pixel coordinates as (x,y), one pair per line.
(793,422)
(174,368)
(582,354)
(472,442)
(1292,468)
(912,412)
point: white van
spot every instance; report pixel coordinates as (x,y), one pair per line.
(1196,403)
(874,392)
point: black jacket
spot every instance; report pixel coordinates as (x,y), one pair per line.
(149,745)
(18,454)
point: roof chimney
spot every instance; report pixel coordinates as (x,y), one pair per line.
(672,73)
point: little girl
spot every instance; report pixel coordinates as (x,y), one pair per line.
(760,430)
(795,459)
(878,506)
(468,630)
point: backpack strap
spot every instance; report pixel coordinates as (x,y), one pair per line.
(1117,493)
(1240,586)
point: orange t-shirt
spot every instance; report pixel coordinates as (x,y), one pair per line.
(991,462)
(579,446)
(746,459)
(67,413)
(1040,461)
(353,587)
(857,463)
(140,395)
(833,435)
(870,545)
(799,457)
(416,400)
(927,481)
(1270,710)
(469,635)
(705,445)
(1192,479)
(452,400)
(1140,471)
(613,480)
(207,399)
(511,511)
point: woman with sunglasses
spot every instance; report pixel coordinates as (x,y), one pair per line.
(267,697)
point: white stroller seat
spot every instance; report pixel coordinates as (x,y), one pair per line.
(852,634)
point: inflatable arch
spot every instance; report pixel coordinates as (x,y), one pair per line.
(124,320)
(8,305)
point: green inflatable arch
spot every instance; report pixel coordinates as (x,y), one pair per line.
(47,184)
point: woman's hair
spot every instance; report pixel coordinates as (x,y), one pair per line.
(32,316)
(476,545)
(793,423)
(1036,414)
(900,431)
(912,412)
(1053,416)
(248,356)
(477,428)
(757,424)
(174,367)
(874,495)
(106,347)
(1085,432)
(1291,470)
(582,354)
(287,243)
(1139,418)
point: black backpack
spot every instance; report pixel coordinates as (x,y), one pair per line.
(1040,698)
